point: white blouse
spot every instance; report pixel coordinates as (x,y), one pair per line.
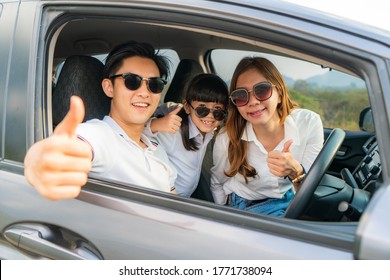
(188,164)
(304,127)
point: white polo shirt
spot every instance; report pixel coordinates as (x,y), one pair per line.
(188,164)
(117,157)
(304,127)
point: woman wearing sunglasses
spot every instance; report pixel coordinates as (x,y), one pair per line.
(204,108)
(262,154)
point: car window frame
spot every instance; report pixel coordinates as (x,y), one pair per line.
(231,215)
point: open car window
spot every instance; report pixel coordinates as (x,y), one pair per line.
(338,97)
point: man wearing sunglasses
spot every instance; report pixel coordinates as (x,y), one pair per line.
(115,147)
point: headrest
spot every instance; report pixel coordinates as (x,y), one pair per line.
(82,76)
(186,70)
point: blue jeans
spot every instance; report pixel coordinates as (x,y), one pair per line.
(270,206)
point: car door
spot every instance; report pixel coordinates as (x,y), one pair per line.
(114,220)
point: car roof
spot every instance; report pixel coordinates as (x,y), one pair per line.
(143,26)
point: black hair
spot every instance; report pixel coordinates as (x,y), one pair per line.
(204,88)
(128,49)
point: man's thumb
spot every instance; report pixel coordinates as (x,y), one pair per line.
(176,110)
(287,146)
(73,118)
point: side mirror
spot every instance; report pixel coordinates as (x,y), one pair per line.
(366,122)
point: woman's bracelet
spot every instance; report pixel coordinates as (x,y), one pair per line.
(299,179)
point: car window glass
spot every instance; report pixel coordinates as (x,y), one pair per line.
(336,96)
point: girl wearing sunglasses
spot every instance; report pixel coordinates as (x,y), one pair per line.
(262,154)
(203,110)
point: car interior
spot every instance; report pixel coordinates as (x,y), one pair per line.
(339,185)
(75,71)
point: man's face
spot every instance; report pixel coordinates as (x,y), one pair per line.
(133,107)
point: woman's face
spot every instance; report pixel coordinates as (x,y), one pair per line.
(259,113)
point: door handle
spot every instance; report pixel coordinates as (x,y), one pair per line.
(342,152)
(50,242)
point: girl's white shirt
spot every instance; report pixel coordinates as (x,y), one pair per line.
(188,164)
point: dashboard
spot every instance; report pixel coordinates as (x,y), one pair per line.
(370,168)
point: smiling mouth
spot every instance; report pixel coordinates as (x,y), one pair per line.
(256,113)
(207,122)
(140,104)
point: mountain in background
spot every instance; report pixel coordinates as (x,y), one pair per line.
(331,79)
(289,81)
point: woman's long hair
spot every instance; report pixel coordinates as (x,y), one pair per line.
(203,88)
(235,124)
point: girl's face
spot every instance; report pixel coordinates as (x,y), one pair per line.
(259,113)
(205,121)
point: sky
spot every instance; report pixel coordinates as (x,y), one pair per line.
(289,67)
(372,12)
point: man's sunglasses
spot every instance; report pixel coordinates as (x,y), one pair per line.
(262,91)
(203,111)
(133,82)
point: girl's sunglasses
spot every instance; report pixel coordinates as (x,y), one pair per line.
(262,91)
(133,82)
(202,111)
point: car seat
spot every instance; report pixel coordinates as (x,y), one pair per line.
(186,69)
(81,76)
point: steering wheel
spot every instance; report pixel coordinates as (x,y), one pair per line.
(316,172)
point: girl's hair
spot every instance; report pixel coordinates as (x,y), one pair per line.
(203,88)
(128,49)
(235,124)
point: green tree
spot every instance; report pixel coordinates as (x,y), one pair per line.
(338,107)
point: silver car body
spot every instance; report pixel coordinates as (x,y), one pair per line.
(116,221)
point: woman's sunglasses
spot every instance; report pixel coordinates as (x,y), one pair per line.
(203,111)
(262,91)
(133,82)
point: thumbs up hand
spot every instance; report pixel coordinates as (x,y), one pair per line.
(58,166)
(287,145)
(170,123)
(283,164)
